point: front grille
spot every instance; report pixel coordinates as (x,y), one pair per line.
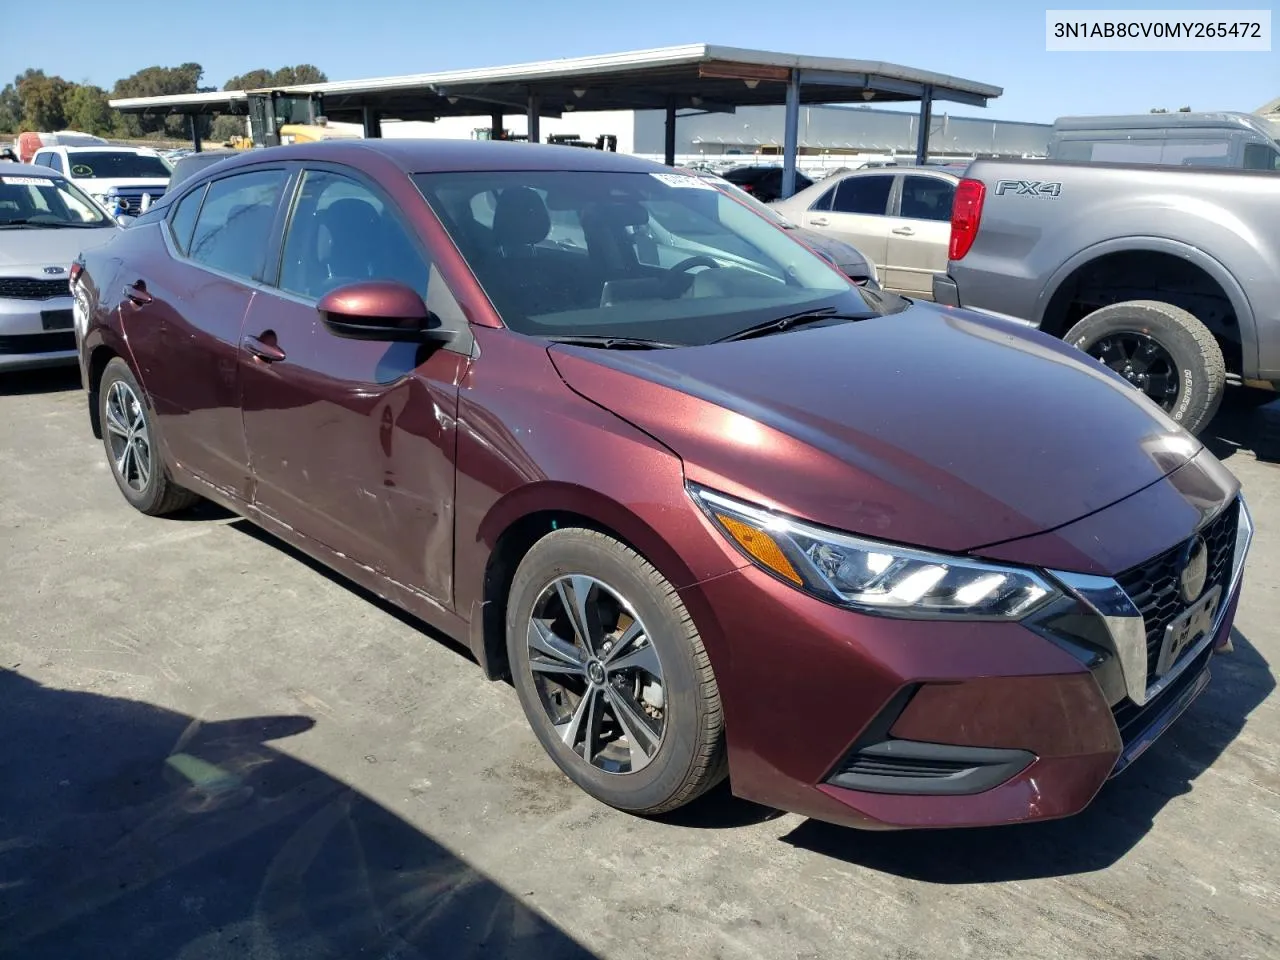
(22,288)
(1133,720)
(1153,586)
(38,342)
(131,197)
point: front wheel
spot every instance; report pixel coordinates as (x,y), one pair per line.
(612,674)
(1163,351)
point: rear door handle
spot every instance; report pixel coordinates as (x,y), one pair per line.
(268,352)
(818,221)
(137,292)
(904,231)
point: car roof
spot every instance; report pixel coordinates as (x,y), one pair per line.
(438,156)
(29,170)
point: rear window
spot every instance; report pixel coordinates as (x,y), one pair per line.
(112,165)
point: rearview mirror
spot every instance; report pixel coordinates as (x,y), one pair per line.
(380,310)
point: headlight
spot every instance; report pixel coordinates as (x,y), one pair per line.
(874,577)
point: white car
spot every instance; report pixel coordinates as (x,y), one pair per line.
(116,177)
(899,217)
(45,223)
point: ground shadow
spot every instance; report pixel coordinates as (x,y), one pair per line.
(41,380)
(1237,423)
(129,831)
(1121,814)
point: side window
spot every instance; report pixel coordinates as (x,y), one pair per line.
(184,218)
(342,232)
(1196,153)
(824,201)
(55,161)
(1261,156)
(868,195)
(1127,151)
(41,160)
(234,224)
(927,198)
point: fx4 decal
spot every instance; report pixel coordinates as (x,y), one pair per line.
(1028,188)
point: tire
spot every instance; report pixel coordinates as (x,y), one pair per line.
(1201,372)
(689,756)
(128,433)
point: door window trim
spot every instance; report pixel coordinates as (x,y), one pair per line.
(203,184)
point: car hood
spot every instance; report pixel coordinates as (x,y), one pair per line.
(934,427)
(25,253)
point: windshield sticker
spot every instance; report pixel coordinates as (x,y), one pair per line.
(681,180)
(27,181)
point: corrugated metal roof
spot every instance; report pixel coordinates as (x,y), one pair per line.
(686,75)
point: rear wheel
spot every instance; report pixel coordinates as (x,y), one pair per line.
(612,674)
(128,433)
(1163,351)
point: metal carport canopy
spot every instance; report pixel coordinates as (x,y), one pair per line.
(699,77)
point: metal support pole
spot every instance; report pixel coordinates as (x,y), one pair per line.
(669,144)
(534,104)
(495,125)
(791,135)
(926,122)
(372,122)
(194,124)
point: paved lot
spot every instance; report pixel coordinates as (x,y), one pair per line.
(360,791)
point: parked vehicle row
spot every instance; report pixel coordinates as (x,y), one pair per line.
(714,509)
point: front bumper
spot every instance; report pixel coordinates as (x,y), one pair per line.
(891,724)
(36,333)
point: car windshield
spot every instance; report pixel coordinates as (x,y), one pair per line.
(113,164)
(657,256)
(27,201)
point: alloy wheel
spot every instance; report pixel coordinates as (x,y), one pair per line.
(127,435)
(597,674)
(1142,361)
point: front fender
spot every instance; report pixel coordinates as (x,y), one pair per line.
(1239,300)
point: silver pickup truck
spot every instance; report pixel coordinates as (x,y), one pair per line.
(1168,275)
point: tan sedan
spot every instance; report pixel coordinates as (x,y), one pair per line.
(899,217)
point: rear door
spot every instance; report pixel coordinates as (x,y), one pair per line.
(855,210)
(351,441)
(919,233)
(183,307)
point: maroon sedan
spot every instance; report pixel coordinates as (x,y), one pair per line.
(711,507)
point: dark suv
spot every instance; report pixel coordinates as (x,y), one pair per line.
(764,183)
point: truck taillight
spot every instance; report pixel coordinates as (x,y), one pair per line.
(966,214)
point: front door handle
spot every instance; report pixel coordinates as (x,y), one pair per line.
(267,352)
(818,221)
(904,231)
(137,292)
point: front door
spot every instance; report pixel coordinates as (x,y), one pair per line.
(183,313)
(352,442)
(855,210)
(919,234)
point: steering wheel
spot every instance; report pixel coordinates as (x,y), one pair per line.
(701,260)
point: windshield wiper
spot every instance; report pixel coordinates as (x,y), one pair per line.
(43,224)
(615,343)
(791,321)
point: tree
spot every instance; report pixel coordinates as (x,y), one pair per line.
(10,109)
(284,77)
(87,110)
(42,102)
(157,82)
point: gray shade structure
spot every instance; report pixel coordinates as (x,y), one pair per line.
(683,80)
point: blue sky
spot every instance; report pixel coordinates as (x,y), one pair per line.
(998,42)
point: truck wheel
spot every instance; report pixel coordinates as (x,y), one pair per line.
(1163,351)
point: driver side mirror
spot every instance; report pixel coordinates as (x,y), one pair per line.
(382,310)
